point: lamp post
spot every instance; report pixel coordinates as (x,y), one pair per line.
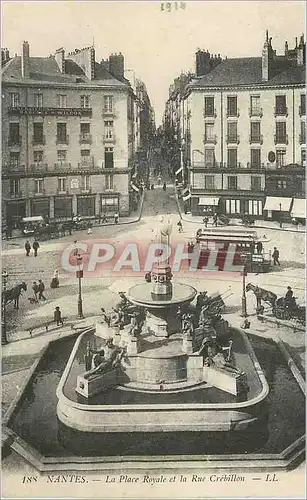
(244,311)
(79,275)
(4,340)
(280,221)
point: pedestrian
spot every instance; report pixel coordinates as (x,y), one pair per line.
(35,247)
(252,247)
(55,283)
(164,186)
(58,316)
(35,289)
(27,248)
(280,223)
(259,247)
(275,256)
(152,187)
(179,224)
(76,248)
(41,288)
(289,299)
(116,217)
(89,226)
(215,220)
(205,221)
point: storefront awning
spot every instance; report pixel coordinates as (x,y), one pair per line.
(187,196)
(209,201)
(134,187)
(180,169)
(276,204)
(298,209)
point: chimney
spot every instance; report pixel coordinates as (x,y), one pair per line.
(85,59)
(60,59)
(117,65)
(25,60)
(202,62)
(5,55)
(267,53)
(286,49)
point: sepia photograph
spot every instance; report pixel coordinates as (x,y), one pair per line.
(153,249)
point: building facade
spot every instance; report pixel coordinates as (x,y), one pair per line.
(68,136)
(243,123)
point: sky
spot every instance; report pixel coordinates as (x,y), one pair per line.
(158,45)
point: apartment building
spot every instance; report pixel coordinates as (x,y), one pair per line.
(68,138)
(243,123)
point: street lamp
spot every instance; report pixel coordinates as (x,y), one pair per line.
(4,340)
(79,275)
(244,311)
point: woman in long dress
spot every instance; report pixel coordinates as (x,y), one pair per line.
(55,283)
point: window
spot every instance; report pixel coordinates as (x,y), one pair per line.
(38,156)
(232,158)
(62,206)
(109,205)
(232,132)
(256,183)
(281,184)
(209,157)
(62,133)
(109,158)
(109,182)
(15,186)
(255,158)
(255,109)
(209,182)
(255,132)
(108,103)
(85,153)
(38,100)
(255,207)
(38,133)
(14,159)
(280,105)
(15,99)
(86,206)
(281,136)
(39,186)
(86,182)
(209,136)
(303,133)
(85,135)
(303,105)
(232,182)
(303,157)
(62,155)
(232,108)
(61,101)
(280,158)
(85,101)
(209,106)
(62,184)
(108,128)
(14,137)
(233,206)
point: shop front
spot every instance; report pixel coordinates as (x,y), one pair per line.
(41,207)
(277,208)
(109,205)
(62,207)
(208,205)
(86,206)
(298,210)
(15,212)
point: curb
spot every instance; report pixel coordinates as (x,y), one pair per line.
(285,230)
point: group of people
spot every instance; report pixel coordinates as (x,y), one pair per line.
(28,247)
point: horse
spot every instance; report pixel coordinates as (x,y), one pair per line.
(13,294)
(262,294)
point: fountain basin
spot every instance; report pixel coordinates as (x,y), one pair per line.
(141,295)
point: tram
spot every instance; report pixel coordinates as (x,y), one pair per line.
(244,244)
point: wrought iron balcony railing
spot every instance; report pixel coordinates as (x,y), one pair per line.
(62,139)
(302,110)
(232,139)
(14,140)
(256,112)
(210,139)
(232,113)
(281,139)
(39,140)
(281,111)
(85,138)
(210,113)
(256,139)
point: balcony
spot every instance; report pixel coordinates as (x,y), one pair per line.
(86,190)
(281,139)
(111,138)
(38,140)
(108,113)
(14,141)
(37,111)
(302,110)
(232,139)
(303,138)
(256,112)
(62,139)
(62,191)
(62,165)
(41,192)
(38,167)
(16,194)
(232,113)
(210,139)
(256,189)
(256,139)
(281,111)
(210,113)
(86,162)
(85,138)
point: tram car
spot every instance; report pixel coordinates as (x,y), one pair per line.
(242,243)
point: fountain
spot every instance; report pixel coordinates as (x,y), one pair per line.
(155,347)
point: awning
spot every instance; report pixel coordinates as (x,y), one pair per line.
(273,203)
(298,209)
(209,201)
(180,169)
(187,196)
(135,188)
(185,191)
